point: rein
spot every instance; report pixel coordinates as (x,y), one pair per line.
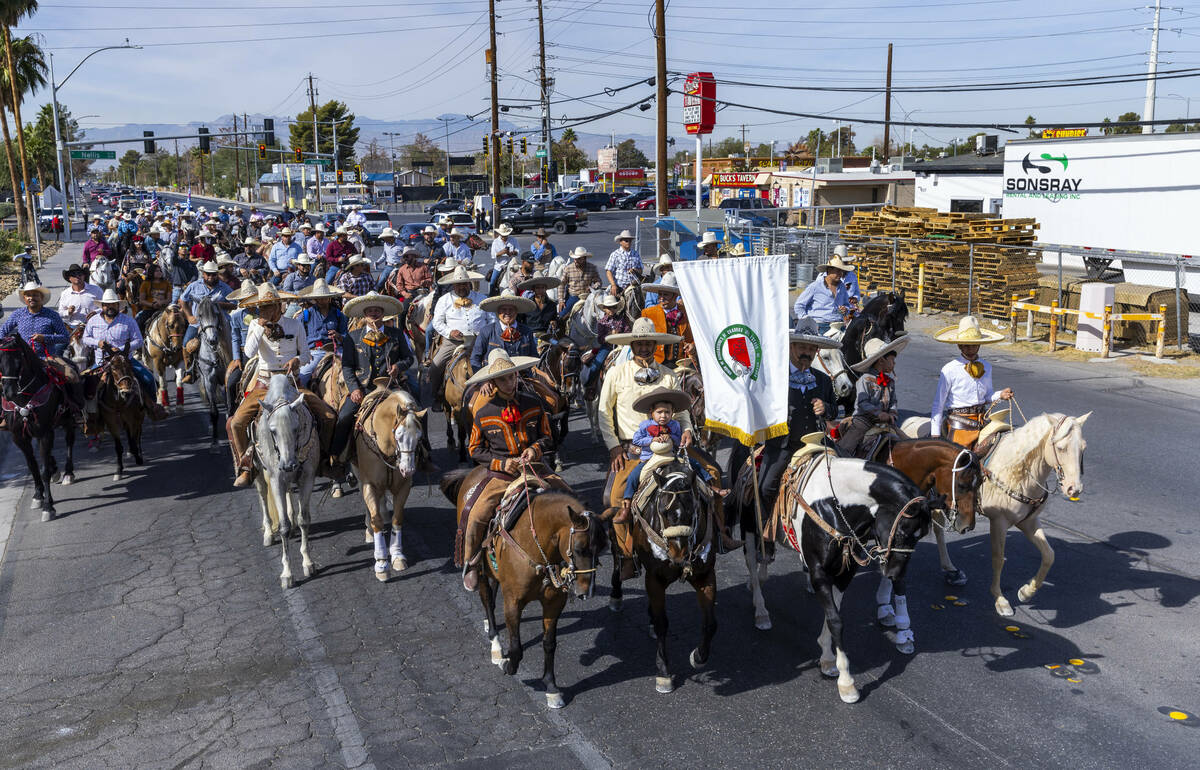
(665,498)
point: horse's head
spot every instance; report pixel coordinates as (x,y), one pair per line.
(585,541)
(1063,451)
(15,355)
(407,433)
(284,426)
(895,314)
(119,373)
(900,525)
(677,510)
(174,324)
(957,485)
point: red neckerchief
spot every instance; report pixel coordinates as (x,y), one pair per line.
(511,414)
(882,380)
(510,334)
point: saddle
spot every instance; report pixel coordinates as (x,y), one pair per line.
(804,463)
(323,367)
(876,443)
(997,426)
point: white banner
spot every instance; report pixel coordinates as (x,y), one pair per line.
(737,309)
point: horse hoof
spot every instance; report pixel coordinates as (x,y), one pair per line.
(762,622)
(287,582)
(336,493)
(848,693)
(56,478)
(382,577)
(47,515)
(694,659)
(268,539)
(954,577)
(67,480)
(497,654)
(664,684)
(1025,593)
(829,669)
(886,616)
(555,700)
(614,604)
(118,477)
(399,563)
(1003,608)
(908,648)
(310,570)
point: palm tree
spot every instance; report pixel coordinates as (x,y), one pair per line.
(29,77)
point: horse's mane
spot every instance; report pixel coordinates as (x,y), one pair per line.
(280,389)
(1019,455)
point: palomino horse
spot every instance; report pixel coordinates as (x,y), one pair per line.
(672,534)
(458,371)
(386,445)
(286,452)
(212,359)
(552,549)
(164,348)
(829,515)
(1017,469)
(119,399)
(33,404)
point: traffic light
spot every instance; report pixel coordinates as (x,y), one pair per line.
(148,144)
(299,154)
(269,131)
(524,146)
(487,140)
(510,145)
(339,176)
(262,152)
(205,147)
(357,174)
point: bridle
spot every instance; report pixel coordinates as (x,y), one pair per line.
(962,462)
(1035,502)
(664,500)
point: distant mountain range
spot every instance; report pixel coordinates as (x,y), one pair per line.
(465,137)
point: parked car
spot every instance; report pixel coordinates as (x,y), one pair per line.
(673,202)
(444,205)
(564,219)
(461,219)
(746,203)
(129,202)
(592,201)
(377,220)
(633,199)
(46,216)
(410,233)
(346,204)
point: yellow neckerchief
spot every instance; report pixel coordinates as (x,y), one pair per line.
(373,336)
(974,368)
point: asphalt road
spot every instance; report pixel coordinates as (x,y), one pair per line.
(146,626)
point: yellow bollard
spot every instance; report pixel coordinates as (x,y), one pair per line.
(921,287)
(1162,334)
(1029,317)
(1012,320)
(1106,339)
(1053,325)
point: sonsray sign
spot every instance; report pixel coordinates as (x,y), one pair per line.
(1043,175)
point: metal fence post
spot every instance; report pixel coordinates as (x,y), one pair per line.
(1060,299)
(1053,326)
(895,249)
(970,278)
(1178,309)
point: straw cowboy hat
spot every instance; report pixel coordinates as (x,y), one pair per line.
(737,250)
(664,261)
(624,235)
(968,332)
(460,275)
(447,265)
(307,226)
(667,283)
(209,267)
(248,289)
(840,251)
(430,229)
(678,400)
(287,231)
(33,286)
(457,233)
(507,297)
(709,238)
(110,297)
(838,263)
(320,228)
(319,289)
(267,294)
(499,364)
(252,242)
(877,349)
(356,307)
(388,233)
(74,269)
(356,260)
(608,300)
(643,330)
(548,281)
(806,332)
(303,259)
(504,230)
(541,233)
(341,230)
(580,252)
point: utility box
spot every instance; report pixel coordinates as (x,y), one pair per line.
(1093,298)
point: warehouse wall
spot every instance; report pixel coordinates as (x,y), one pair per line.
(936,191)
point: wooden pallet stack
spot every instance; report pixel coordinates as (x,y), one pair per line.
(1004,262)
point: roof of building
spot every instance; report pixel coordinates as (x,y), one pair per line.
(966,163)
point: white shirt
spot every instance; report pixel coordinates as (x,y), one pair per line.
(468,320)
(274,354)
(355,218)
(461,252)
(956,389)
(84,302)
(498,246)
(268,232)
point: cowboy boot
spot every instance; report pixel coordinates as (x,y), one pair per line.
(727,542)
(624,515)
(189,361)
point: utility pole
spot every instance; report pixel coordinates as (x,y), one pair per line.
(660,161)
(1152,71)
(494,138)
(237,163)
(177,179)
(251,181)
(337,185)
(887,111)
(545,89)
(312,102)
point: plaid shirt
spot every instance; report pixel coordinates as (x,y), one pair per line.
(47,323)
(620,262)
(357,285)
(579,280)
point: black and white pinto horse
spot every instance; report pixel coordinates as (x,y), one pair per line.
(882,318)
(32,407)
(876,514)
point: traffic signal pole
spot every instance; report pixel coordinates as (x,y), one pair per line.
(494,139)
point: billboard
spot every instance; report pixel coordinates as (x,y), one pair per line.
(606,160)
(699,107)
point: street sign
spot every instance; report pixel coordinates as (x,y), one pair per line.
(606,160)
(699,103)
(317,161)
(540,154)
(93,154)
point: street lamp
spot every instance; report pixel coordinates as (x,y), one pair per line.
(910,133)
(58,144)
(1188,101)
(446,120)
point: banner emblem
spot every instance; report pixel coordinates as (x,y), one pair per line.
(738,351)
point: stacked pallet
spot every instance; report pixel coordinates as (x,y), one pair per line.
(1003,262)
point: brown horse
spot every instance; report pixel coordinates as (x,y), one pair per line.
(119,398)
(454,392)
(558,375)
(386,446)
(552,549)
(164,348)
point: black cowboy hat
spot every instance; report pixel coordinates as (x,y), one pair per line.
(74,268)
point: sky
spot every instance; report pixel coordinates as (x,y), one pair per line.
(402,60)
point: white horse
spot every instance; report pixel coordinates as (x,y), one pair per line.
(555,270)
(101,273)
(1014,490)
(286,453)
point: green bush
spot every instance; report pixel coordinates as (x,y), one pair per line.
(7,210)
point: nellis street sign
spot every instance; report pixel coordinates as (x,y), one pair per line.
(93,154)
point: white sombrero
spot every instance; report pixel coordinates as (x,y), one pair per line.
(709,238)
(643,330)
(460,275)
(507,297)
(678,400)
(319,289)
(548,281)
(109,297)
(267,294)
(505,229)
(968,332)
(667,283)
(877,349)
(358,259)
(806,332)
(355,307)
(499,364)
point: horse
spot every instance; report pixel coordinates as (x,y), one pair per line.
(551,550)
(454,402)
(1017,467)
(212,359)
(554,379)
(582,322)
(827,516)
(882,318)
(386,444)
(32,404)
(164,348)
(101,273)
(76,352)
(692,383)
(119,400)
(286,451)
(672,536)
(416,320)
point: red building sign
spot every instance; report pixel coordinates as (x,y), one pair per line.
(699,105)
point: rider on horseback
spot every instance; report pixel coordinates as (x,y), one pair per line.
(325,325)
(111,330)
(455,316)
(208,285)
(46,334)
(825,300)
(510,429)
(964,389)
(504,332)
(669,317)
(624,265)
(875,393)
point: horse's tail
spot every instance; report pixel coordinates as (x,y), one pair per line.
(452,482)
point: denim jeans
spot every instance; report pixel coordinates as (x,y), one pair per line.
(570,303)
(306,371)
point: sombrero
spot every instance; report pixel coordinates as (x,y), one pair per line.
(318,290)
(678,400)
(609,300)
(997,423)
(736,250)
(664,261)
(838,263)
(247,290)
(709,238)
(355,307)
(667,283)
(806,332)
(877,349)
(968,332)
(499,364)
(33,286)
(643,330)
(267,294)
(303,259)
(505,229)
(548,281)
(209,267)
(109,297)
(460,275)
(358,259)
(507,297)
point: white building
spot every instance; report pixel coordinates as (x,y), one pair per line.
(961,183)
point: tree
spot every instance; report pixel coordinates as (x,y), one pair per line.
(423,152)
(1180,128)
(569,157)
(375,160)
(1029,121)
(568,136)
(629,156)
(1123,118)
(41,142)
(24,71)
(329,112)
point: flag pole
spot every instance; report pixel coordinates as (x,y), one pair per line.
(758,519)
